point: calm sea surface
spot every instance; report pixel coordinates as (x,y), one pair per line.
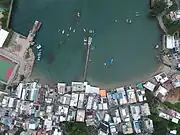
(131,46)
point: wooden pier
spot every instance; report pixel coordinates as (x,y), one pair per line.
(87,58)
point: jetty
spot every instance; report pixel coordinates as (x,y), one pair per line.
(32,32)
(87,57)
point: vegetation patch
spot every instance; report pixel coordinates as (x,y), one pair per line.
(76,128)
(4,8)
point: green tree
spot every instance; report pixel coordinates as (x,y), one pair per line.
(76,128)
(158,7)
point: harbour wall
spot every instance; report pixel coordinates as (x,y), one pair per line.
(9,14)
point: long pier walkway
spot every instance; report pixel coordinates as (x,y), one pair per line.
(87,58)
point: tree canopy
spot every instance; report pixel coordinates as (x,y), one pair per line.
(158,7)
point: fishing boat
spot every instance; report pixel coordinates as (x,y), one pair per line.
(38,46)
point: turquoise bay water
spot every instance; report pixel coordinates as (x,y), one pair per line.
(130,45)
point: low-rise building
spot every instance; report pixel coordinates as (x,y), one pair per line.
(74,99)
(78,86)
(162,78)
(122,95)
(131,95)
(135,112)
(140,93)
(124,111)
(145,111)
(103,128)
(61,88)
(137,126)
(127,128)
(150,86)
(81,100)
(80,115)
(148,125)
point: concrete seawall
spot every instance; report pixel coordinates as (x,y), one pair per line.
(9,14)
(161,24)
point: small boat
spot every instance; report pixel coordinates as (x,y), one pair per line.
(74,30)
(78,14)
(157,46)
(38,46)
(59,30)
(63,31)
(39,54)
(90,31)
(70,28)
(128,21)
(85,39)
(110,61)
(84,29)
(137,14)
(67,35)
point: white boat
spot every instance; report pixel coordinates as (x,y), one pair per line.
(74,30)
(85,39)
(38,46)
(78,14)
(84,29)
(128,20)
(39,59)
(63,31)
(59,30)
(157,46)
(70,28)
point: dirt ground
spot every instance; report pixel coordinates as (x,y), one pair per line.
(173,96)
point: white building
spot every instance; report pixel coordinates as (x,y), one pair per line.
(3,36)
(150,86)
